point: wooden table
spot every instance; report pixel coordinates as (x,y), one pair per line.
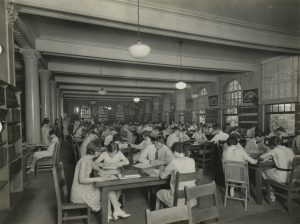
(124,184)
(258,168)
(193,147)
(274,216)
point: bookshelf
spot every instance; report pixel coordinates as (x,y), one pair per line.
(11,162)
(248,116)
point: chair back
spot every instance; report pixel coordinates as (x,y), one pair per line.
(208,146)
(54,155)
(220,148)
(60,184)
(192,147)
(235,171)
(196,193)
(170,215)
(183,177)
(58,152)
(295,173)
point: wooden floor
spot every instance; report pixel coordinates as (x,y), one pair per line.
(39,203)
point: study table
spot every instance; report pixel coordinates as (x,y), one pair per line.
(258,168)
(112,185)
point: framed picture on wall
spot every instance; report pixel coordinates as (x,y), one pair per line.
(189,104)
(250,94)
(213,101)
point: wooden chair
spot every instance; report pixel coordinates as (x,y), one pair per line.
(290,187)
(236,175)
(63,200)
(206,159)
(179,193)
(47,163)
(200,215)
(170,215)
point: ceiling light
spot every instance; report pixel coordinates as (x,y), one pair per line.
(139,50)
(93,102)
(156,103)
(109,108)
(1,49)
(102,91)
(194,95)
(136,99)
(180,84)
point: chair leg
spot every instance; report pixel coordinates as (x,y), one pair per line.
(65,215)
(59,217)
(246,195)
(36,172)
(268,192)
(226,194)
(157,204)
(148,196)
(89,215)
(289,198)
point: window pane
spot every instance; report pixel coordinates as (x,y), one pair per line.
(233,120)
(287,107)
(292,107)
(275,108)
(270,108)
(281,107)
(287,121)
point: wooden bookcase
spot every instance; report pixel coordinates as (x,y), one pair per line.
(11,162)
(248,116)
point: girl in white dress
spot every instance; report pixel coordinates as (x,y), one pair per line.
(113,157)
(283,159)
(180,164)
(46,139)
(42,154)
(142,145)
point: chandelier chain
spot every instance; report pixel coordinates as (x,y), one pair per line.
(138,12)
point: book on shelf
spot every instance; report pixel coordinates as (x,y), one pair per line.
(2,96)
(15,167)
(11,152)
(3,153)
(3,114)
(11,98)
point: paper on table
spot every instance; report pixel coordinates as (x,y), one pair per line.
(142,165)
(112,177)
(156,171)
(109,172)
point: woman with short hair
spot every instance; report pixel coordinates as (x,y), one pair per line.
(46,139)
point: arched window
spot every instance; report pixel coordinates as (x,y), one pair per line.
(233,93)
(85,111)
(202,100)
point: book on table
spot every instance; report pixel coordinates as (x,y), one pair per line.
(130,174)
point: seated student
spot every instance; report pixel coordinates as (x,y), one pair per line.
(251,131)
(148,128)
(199,136)
(234,132)
(129,133)
(180,164)
(192,129)
(158,153)
(84,190)
(205,129)
(140,128)
(144,143)
(109,138)
(183,136)
(167,131)
(283,159)
(42,154)
(233,153)
(118,139)
(46,139)
(106,132)
(281,132)
(274,132)
(79,133)
(211,130)
(256,144)
(155,133)
(220,136)
(228,129)
(173,137)
(296,145)
(91,136)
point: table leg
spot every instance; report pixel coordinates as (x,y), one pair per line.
(258,185)
(104,205)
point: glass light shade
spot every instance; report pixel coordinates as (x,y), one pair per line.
(194,95)
(76,109)
(180,85)
(136,99)
(93,102)
(102,91)
(109,108)
(139,50)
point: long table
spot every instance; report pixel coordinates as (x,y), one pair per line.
(258,168)
(112,185)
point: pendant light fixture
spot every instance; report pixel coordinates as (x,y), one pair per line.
(180,84)
(102,91)
(194,95)
(136,99)
(139,50)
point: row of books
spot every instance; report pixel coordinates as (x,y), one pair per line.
(3,114)
(14,115)
(11,98)
(3,152)
(11,153)
(13,132)
(2,96)
(15,168)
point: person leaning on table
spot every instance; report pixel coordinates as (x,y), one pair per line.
(283,158)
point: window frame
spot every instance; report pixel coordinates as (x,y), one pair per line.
(281,112)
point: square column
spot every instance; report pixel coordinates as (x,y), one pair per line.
(53,111)
(45,93)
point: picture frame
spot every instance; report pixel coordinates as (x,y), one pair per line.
(213,101)
(189,104)
(250,94)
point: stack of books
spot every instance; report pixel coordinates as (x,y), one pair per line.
(13,115)
(13,132)
(11,98)
(3,113)
(126,174)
